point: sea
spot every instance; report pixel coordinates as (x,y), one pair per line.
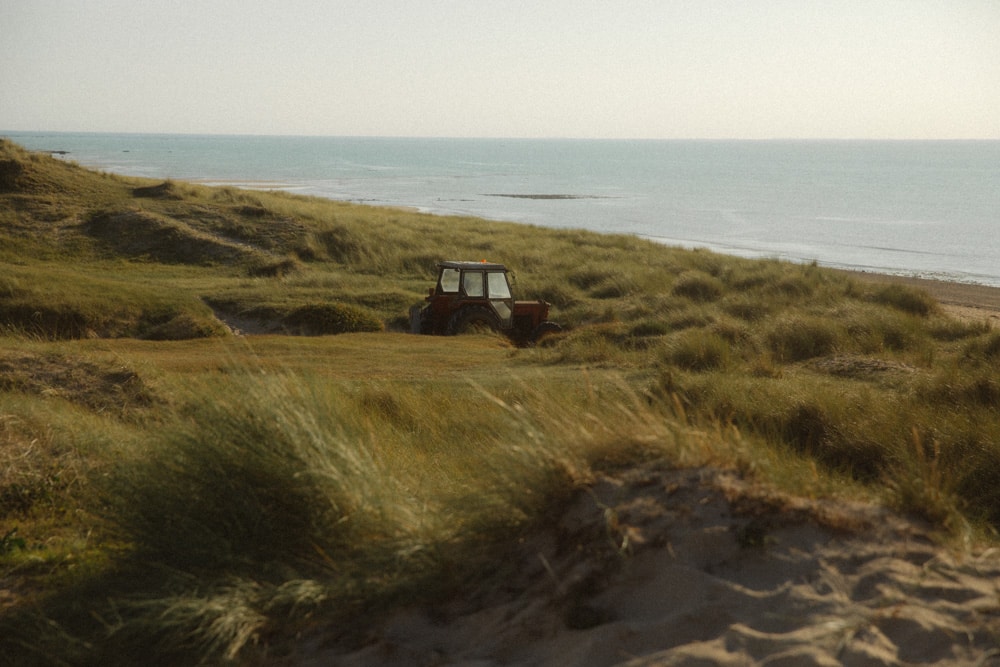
(920,208)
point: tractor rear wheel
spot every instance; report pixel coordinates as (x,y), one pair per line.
(544,329)
(473,319)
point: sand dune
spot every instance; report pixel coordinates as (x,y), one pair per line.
(653,566)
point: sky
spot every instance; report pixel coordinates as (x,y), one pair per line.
(662,69)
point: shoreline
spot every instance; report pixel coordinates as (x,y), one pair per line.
(966,301)
(682,196)
(971,301)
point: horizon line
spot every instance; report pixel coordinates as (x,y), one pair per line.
(7,132)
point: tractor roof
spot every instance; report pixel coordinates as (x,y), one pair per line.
(466,266)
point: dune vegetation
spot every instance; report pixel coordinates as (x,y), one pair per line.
(216,434)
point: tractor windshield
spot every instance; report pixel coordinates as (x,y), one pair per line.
(472,283)
(497,285)
(449,280)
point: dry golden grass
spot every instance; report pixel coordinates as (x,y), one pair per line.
(271,475)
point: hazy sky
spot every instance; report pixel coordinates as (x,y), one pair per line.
(504,68)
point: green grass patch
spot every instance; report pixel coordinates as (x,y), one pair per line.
(170,487)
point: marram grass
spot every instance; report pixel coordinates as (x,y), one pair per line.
(288,497)
(170,486)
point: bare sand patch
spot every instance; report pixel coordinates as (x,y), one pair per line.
(657,566)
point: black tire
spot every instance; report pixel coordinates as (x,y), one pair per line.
(544,329)
(420,320)
(473,319)
(426,321)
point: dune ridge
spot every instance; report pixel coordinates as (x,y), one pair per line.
(659,566)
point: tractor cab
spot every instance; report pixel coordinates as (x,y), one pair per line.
(461,283)
(477,296)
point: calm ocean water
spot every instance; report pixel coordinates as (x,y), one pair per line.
(929,209)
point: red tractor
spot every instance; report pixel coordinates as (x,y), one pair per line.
(476,296)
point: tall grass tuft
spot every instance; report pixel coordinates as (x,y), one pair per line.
(983,349)
(907,299)
(331,318)
(698,350)
(288,496)
(260,475)
(698,286)
(925,486)
(801,337)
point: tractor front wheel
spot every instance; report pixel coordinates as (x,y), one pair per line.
(473,319)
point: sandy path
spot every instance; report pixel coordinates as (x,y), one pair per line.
(691,567)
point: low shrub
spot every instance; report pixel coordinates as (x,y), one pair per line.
(698,286)
(185,326)
(953,388)
(61,321)
(949,329)
(599,343)
(984,349)
(139,234)
(266,475)
(905,298)
(748,308)
(698,350)
(844,432)
(588,277)
(331,318)
(10,170)
(612,287)
(556,293)
(648,327)
(10,287)
(274,268)
(693,317)
(755,275)
(733,332)
(873,330)
(801,337)
(793,286)
(971,477)
(947,471)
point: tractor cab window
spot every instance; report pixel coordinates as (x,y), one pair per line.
(497,284)
(449,280)
(472,283)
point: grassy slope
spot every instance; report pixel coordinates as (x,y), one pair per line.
(274,474)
